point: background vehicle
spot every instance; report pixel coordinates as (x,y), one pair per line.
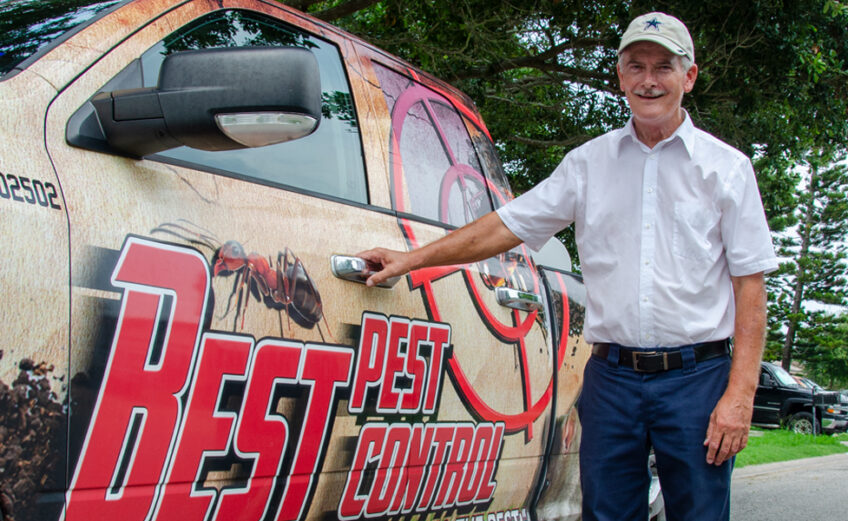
(186,334)
(781,401)
(807,383)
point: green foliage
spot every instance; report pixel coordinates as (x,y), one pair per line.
(782,445)
(836,9)
(816,271)
(823,346)
(778,181)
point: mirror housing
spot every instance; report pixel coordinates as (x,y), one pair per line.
(211,99)
(553,255)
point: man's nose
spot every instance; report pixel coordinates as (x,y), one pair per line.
(650,78)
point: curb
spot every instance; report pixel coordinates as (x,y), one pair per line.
(784,466)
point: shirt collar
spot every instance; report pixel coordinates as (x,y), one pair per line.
(686,133)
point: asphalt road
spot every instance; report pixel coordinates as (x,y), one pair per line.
(813,489)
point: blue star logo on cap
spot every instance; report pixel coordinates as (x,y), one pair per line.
(652,24)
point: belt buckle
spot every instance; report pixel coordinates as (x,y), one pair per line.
(637,354)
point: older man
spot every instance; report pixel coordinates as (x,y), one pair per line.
(673,244)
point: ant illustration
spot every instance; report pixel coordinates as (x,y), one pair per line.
(282,284)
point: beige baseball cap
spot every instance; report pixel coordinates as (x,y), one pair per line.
(660,28)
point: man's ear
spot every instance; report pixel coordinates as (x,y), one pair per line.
(691,76)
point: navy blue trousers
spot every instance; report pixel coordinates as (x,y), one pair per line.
(624,414)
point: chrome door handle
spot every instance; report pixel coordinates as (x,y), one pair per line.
(517,299)
(358,270)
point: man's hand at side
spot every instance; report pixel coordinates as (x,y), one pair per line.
(729,425)
(730,421)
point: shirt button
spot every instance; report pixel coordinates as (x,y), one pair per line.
(647,226)
(650,190)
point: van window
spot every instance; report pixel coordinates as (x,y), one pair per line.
(491,163)
(436,171)
(29,27)
(327,162)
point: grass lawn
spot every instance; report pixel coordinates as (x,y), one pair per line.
(782,445)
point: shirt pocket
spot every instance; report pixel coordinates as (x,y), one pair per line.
(692,226)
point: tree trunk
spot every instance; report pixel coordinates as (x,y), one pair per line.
(801,274)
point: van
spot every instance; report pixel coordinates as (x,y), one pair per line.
(184,185)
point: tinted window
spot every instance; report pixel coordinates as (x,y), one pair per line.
(783,376)
(28,26)
(492,166)
(329,161)
(436,172)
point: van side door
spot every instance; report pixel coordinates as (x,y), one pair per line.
(211,345)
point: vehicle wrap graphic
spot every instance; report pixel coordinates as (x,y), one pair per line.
(160,420)
(25,190)
(31,420)
(407,480)
(281,284)
(508,515)
(464,194)
(416,467)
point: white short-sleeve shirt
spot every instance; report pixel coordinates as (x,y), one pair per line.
(659,233)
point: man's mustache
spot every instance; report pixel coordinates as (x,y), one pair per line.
(649,93)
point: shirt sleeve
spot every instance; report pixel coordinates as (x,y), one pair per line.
(745,233)
(535,216)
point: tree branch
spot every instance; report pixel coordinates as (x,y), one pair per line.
(301,5)
(557,73)
(606,83)
(345,9)
(543,61)
(545,143)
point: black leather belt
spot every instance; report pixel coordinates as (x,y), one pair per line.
(648,361)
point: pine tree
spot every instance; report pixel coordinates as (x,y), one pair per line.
(824,349)
(816,270)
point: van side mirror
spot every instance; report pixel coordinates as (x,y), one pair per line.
(553,255)
(211,99)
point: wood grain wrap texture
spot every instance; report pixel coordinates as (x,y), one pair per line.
(57,313)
